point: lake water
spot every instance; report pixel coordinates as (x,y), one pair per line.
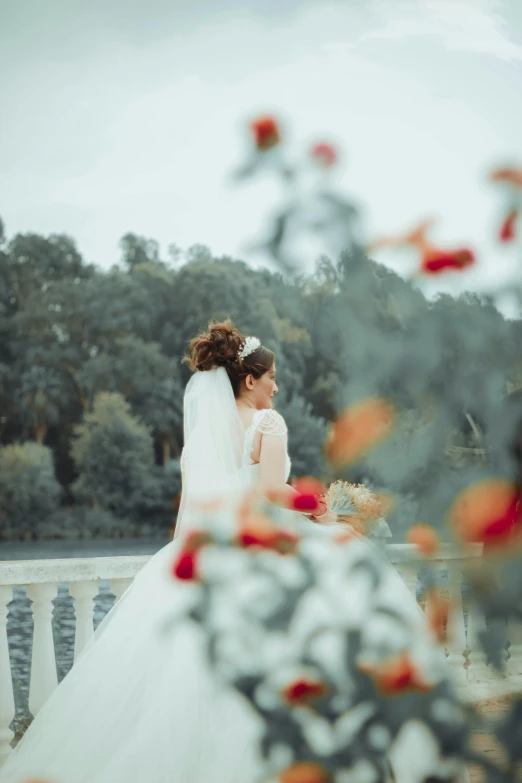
(20,622)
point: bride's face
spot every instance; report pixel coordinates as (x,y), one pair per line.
(263,389)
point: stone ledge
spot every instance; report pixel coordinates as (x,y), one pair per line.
(74,569)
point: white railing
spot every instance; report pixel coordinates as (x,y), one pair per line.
(41,578)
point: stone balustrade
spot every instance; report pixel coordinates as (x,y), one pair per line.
(471,671)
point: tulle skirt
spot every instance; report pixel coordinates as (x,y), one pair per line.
(141,704)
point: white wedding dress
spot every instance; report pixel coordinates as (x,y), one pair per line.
(142,706)
(138,706)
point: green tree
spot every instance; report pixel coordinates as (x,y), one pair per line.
(147,379)
(151,382)
(138,250)
(29,490)
(35,262)
(113,453)
(38,396)
(306,434)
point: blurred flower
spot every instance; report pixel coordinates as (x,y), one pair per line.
(345,537)
(424,538)
(433,259)
(195,540)
(509,174)
(264,535)
(361,426)
(507,230)
(324,154)
(511,178)
(304,772)
(489,511)
(185,565)
(266,133)
(437,611)
(309,492)
(396,676)
(303,691)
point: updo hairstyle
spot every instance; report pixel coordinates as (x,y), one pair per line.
(219,347)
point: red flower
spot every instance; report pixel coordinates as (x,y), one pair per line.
(185,567)
(309,492)
(508,227)
(263,535)
(266,133)
(488,512)
(324,154)
(258,535)
(435,261)
(396,676)
(303,691)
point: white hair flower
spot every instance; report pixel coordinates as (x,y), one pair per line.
(250,345)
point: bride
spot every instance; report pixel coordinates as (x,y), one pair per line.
(138,706)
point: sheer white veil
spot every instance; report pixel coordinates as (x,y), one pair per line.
(214,438)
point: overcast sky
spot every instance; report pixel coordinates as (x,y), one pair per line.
(128,115)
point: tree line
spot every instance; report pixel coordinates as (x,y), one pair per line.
(91,378)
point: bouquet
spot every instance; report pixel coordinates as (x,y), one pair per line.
(358,506)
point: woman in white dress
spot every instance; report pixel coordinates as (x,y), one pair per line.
(139,705)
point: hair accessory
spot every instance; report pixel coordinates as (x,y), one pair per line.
(250,345)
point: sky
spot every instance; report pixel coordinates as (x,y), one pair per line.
(126,115)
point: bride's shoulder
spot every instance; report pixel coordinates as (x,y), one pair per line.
(270,422)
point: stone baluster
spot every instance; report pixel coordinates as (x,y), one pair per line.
(478,669)
(432,597)
(409,573)
(514,665)
(7,705)
(500,625)
(84,594)
(119,586)
(456,630)
(44,678)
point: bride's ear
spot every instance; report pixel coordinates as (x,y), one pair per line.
(249,382)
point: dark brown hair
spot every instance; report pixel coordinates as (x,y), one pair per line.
(219,347)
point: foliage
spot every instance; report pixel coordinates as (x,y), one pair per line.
(29,490)
(452,454)
(75,522)
(69,331)
(306,434)
(114,455)
(339,656)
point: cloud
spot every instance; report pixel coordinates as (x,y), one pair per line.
(475,26)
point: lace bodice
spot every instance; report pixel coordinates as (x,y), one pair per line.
(267,422)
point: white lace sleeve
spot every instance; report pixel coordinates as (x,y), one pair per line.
(271,422)
(267,422)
